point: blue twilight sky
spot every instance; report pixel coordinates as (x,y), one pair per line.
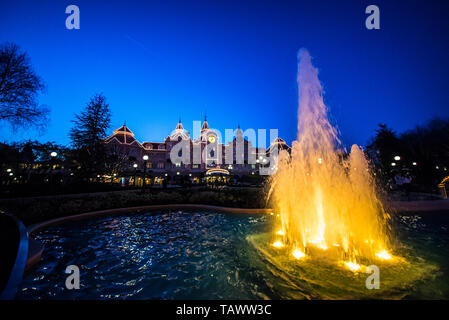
(156,61)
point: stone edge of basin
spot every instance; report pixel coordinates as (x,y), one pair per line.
(35,227)
(36,248)
(399,206)
(20,261)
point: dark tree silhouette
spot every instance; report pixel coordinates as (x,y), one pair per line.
(384,145)
(88,135)
(19,88)
(423,151)
(428,146)
(91,124)
(382,149)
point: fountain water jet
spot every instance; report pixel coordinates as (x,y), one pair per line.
(329,223)
(326,199)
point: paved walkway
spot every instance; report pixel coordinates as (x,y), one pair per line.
(420,206)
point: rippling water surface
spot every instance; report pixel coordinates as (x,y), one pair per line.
(204,255)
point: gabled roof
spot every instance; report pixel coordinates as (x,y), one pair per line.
(123,130)
(281,144)
(278,140)
(123,135)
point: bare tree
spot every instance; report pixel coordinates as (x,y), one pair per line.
(19,88)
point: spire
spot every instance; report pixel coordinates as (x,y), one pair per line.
(238,132)
(179,127)
(205,124)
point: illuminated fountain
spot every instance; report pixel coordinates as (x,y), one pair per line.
(330,220)
(324,199)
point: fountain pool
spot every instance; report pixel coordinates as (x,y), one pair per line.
(191,254)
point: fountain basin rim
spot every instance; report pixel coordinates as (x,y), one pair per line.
(41,225)
(402,207)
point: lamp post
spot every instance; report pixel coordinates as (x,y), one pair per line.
(145,159)
(53,156)
(135,173)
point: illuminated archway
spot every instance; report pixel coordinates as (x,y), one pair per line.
(217,171)
(217,175)
(442,186)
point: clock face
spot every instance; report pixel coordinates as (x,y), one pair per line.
(211,139)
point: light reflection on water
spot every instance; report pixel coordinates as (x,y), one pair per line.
(192,255)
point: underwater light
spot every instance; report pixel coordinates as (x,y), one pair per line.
(352,266)
(384,255)
(278,244)
(298,254)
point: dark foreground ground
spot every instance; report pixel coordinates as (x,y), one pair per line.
(32,210)
(37,209)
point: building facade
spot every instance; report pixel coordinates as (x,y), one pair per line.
(181,156)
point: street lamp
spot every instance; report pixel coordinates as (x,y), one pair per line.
(397,158)
(135,173)
(145,159)
(53,155)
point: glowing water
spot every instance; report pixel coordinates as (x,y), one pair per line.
(327,200)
